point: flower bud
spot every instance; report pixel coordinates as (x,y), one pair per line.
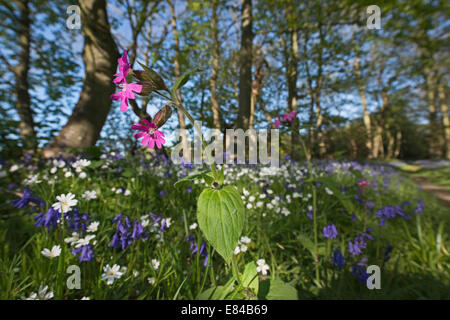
(147,88)
(162,115)
(151,76)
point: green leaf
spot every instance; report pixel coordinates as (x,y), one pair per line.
(221,215)
(152,76)
(281,291)
(128,173)
(181,81)
(96,164)
(250,277)
(191,177)
(217,293)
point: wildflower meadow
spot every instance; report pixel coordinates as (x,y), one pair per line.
(268,207)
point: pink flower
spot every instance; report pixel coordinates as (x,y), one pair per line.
(292,115)
(126,93)
(124,67)
(363,184)
(127,88)
(277,123)
(150,134)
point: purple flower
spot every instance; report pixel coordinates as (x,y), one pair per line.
(420,206)
(356,247)
(26,199)
(360,273)
(47,220)
(162,193)
(188,189)
(76,221)
(310,214)
(387,252)
(155,217)
(138,231)
(86,253)
(194,249)
(338,258)
(330,231)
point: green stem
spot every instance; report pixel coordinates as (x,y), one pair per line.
(316,247)
(236,270)
(199,132)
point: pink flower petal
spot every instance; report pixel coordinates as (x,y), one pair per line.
(140,135)
(146,122)
(116,96)
(151,144)
(145,140)
(134,87)
(123,104)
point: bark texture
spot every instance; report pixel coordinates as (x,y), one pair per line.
(100,56)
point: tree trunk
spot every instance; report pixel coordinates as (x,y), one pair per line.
(319,115)
(256,86)
(292,75)
(445,118)
(378,148)
(215,68)
(245,66)
(177,73)
(434,151)
(390,142)
(398,143)
(366,116)
(100,59)
(23,102)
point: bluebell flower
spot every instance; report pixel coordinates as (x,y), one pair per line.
(86,253)
(194,248)
(387,252)
(26,199)
(188,189)
(330,231)
(420,206)
(47,220)
(76,221)
(138,231)
(355,248)
(360,273)
(310,214)
(338,258)
(162,193)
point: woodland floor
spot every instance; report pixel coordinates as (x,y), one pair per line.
(441,192)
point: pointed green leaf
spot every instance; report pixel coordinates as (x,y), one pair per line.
(181,81)
(220,215)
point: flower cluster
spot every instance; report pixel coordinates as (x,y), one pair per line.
(194,249)
(287,117)
(126,232)
(127,88)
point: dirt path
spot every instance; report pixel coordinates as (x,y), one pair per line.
(440,192)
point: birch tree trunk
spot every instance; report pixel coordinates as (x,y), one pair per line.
(100,56)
